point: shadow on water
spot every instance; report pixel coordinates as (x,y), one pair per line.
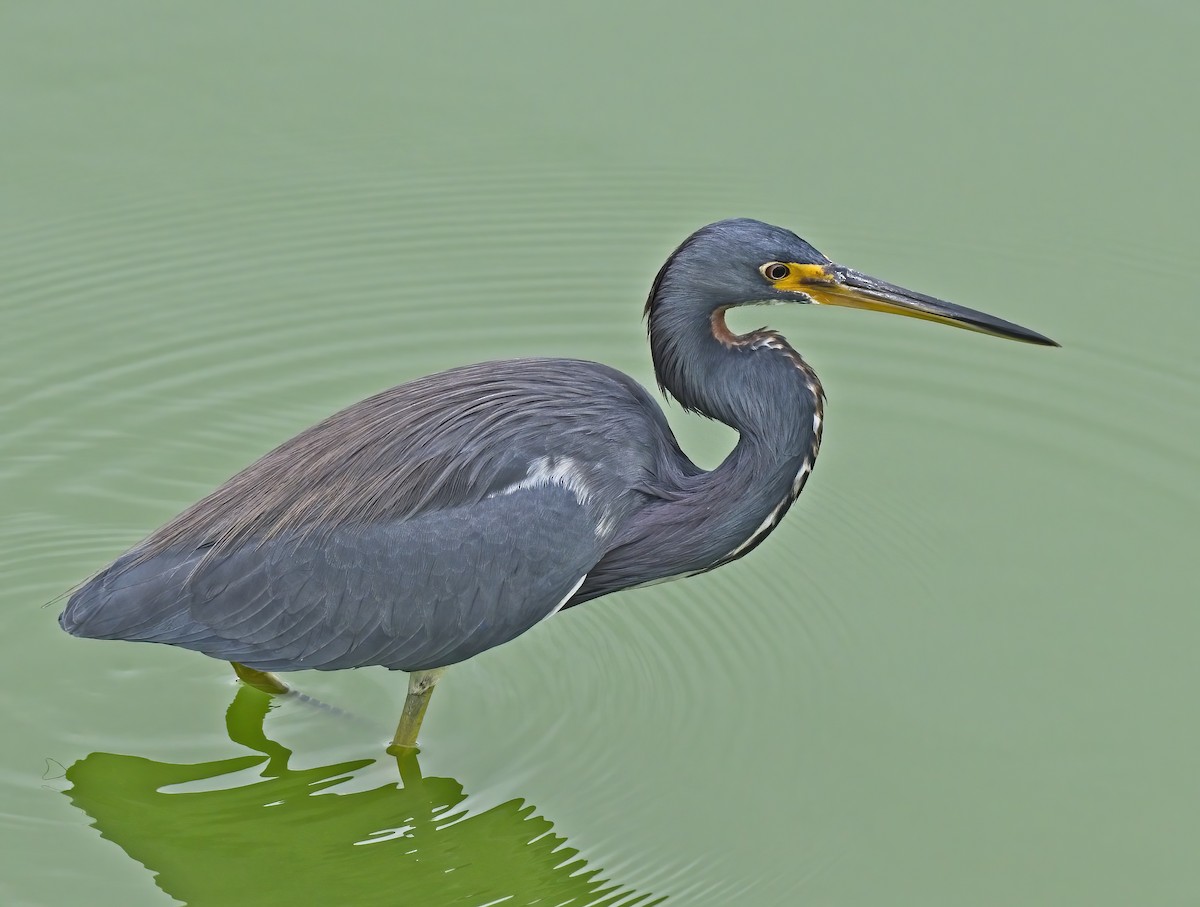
(288,837)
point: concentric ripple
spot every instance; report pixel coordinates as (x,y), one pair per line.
(192,334)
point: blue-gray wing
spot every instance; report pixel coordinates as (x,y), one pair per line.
(411,594)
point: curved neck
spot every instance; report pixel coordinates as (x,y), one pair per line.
(754,383)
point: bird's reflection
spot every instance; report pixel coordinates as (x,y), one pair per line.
(251,830)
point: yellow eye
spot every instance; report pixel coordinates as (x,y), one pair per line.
(773,270)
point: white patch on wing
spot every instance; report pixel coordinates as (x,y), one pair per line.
(564,472)
(606,526)
(567,598)
(545,471)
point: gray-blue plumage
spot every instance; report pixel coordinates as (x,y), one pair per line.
(448,515)
(484,511)
(412,594)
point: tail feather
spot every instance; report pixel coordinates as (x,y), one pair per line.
(129,600)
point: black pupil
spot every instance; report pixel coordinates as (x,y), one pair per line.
(777,272)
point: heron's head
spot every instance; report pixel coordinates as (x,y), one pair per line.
(747,262)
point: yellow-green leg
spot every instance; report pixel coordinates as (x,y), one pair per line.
(260,680)
(420,688)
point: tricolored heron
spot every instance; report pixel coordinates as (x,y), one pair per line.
(448,515)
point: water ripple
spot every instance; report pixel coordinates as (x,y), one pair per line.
(196,333)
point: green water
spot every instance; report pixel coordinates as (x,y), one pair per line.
(963,671)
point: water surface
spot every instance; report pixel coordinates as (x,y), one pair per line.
(963,669)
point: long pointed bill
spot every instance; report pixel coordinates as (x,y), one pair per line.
(837,285)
